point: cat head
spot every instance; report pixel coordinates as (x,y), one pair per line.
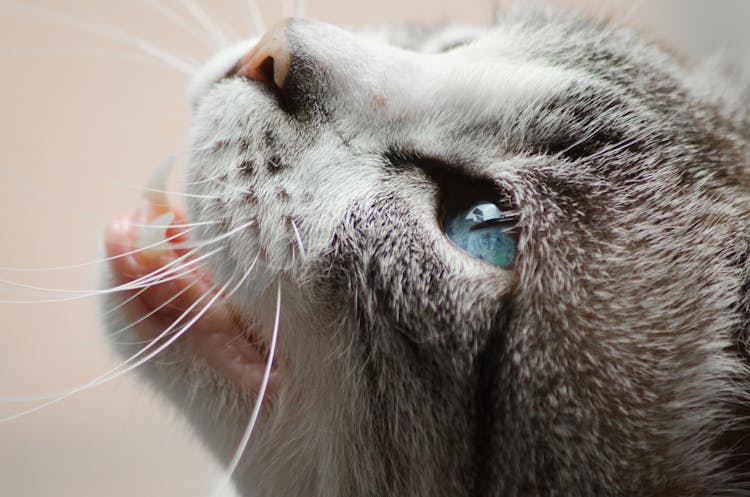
(585,340)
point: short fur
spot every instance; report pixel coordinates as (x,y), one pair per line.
(610,360)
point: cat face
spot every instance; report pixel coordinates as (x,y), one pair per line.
(600,358)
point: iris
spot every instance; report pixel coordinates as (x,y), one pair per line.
(484,231)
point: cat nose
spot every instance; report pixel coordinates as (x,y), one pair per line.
(269,61)
(309,64)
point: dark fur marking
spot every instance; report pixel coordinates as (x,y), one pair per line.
(247,168)
(269,139)
(249,197)
(275,164)
(219,146)
(283,195)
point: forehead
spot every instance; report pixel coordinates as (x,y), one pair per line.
(495,74)
(484,84)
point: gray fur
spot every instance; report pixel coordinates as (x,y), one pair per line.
(609,361)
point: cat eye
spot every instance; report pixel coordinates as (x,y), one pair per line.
(484,231)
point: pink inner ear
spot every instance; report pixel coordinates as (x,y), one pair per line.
(218,336)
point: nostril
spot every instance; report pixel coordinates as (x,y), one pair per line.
(266,72)
(269,61)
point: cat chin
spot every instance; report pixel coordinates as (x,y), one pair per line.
(300,405)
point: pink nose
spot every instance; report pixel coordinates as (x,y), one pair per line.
(269,61)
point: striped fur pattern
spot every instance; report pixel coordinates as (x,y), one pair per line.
(609,360)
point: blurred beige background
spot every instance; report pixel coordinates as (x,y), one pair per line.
(81,116)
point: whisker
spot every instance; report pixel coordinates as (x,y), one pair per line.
(52,395)
(623,144)
(58,396)
(230,186)
(218,294)
(202,18)
(107,259)
(250,269)
(79,52)
(179,21)
(154,311)
(165,280)
(114,372)
(215,239)
(152,278)
(158,190)
(135,284)
(184,225)
(583,140)
(192,226)
(299,239)
(258,401)
(110,32)
(157,277)
(204,180)
(125,302)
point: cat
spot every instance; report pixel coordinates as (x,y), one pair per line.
(509,262)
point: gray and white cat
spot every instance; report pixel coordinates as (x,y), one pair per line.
(510,262)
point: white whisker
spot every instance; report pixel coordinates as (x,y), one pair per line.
(179,21)
(145,288)
(150,279)
(202,18)
(204,180)
(113,33)
(124,302)
(217,238)
(155,310)
(583,140)
(157,190)
(145,280)
(184,225)
(299,239)
(623,144)
(159,276)
(80,52)
(120,369)
(230,186)
(106,259)
(60,393)
(247,273)
(258,401)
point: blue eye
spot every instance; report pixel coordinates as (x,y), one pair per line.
(483,231)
